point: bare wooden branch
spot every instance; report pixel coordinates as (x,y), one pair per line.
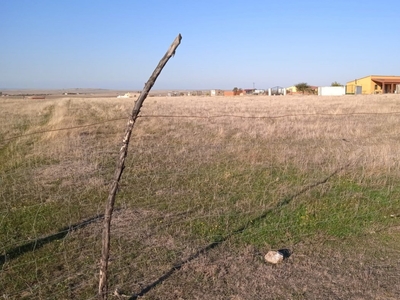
(103,287)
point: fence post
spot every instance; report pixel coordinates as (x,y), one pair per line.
(103,287)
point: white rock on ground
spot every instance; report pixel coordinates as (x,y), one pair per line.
(273,257)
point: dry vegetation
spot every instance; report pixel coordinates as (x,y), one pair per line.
(210,185)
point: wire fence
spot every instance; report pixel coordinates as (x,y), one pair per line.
(210,117)
(179,198)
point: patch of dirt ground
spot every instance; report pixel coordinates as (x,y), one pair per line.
(328,274)
(335,269)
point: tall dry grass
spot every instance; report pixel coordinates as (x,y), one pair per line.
(199,170)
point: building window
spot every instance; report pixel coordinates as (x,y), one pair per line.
(376,86)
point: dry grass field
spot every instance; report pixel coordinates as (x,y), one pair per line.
(210,185)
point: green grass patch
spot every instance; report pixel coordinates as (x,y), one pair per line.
(345,209)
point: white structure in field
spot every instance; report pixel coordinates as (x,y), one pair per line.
(331,90)
(127,95)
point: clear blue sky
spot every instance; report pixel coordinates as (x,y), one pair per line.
(226,43)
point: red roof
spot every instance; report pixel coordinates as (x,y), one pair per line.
(386,80)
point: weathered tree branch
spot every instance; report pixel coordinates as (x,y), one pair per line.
(103,287)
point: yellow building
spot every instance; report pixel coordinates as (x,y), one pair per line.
(292,89)
(310,91)
(373,84)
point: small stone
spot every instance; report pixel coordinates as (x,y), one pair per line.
(26,294)
(273,257)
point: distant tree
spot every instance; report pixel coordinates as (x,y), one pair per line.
(302,87)
(237,91)
(336,84)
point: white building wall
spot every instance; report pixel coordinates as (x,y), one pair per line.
(331,90)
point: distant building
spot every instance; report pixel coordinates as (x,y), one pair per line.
(127,95)
(229,93)
(331,91)
(278,90)
(216,93)
(292,89)
(248,91)
(374,84)
(311,90)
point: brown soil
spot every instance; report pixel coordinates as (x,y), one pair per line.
(316,269)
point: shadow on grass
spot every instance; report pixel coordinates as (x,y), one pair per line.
(176,267)
(38,243)
(285,252)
